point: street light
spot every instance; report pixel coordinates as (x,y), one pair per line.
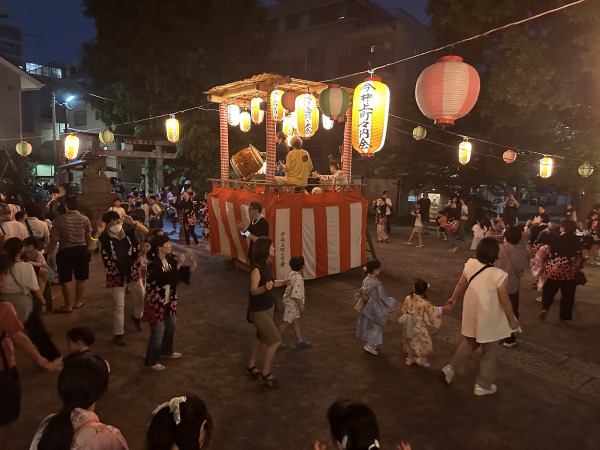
(68,99)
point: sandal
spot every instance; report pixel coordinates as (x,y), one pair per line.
(63,310)
(252,372)
(269,380)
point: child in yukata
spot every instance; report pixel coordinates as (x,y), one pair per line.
(538,264)
(373,316)
(293,302)
(79,340)
(417,313)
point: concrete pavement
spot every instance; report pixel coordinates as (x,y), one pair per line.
(548,385)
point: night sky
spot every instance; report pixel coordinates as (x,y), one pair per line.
(55,29)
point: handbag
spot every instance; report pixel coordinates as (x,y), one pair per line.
(580,278)
(452,225)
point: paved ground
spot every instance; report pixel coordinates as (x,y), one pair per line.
(549,385)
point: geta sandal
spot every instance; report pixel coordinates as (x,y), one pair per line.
(252,372)
(269,380)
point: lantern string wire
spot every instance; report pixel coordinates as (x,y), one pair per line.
(474,152)
(516,149)
(462,41)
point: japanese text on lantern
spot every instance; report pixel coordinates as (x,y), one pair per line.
(308,110)
(365,115)
(275,104)
(282,250)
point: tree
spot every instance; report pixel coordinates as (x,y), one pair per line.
(538,83)
(154,57)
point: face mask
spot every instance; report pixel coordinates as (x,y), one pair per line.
(116,229)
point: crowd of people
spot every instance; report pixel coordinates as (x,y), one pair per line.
(41,244)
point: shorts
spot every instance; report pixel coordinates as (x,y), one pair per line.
(291,312)
(10,393)
(266,331)
(73,260)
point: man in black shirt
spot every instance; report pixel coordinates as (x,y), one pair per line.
(258,226)
(424,205)
(281,152)
(511,208)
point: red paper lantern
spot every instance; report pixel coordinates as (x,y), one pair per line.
(288,100)
(447,90)
(509,156)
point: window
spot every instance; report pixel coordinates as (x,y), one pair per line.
(315,59)
(292,22)
(79,118)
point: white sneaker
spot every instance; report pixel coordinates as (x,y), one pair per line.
(409,361)
(420,245)
(408,243)
(448,373)
(478,390)
(422,362)
(453,249)
(156,367)
(174,355)
(371,349)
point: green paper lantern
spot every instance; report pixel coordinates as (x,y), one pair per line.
(419,133)
(334,102)
(585,170)
(23,148)
(106,136)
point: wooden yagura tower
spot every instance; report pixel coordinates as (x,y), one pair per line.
(329,229)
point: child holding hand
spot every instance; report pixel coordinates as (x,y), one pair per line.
(417,313)
(293,302)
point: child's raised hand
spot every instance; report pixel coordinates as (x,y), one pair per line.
(403,446)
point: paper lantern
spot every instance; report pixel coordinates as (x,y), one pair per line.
(370,107)
(233,115)
(258,115)
(546,167)
(509,156)
(307,115)
(585,170)
(419,133)
(245,121)
(287,126)
(464,152)
(327,122)
(71,146)
(106,136)
(277,112)
(23,148)
(334,102)
(447,90)
(172,129)
(288,100)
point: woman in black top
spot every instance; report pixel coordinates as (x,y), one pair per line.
(260,311)
(187,217)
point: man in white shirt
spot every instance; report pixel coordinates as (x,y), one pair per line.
(35,226)
(388,212)
(117,207)
(10,228)
(155,212)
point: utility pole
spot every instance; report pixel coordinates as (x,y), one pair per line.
(56,157)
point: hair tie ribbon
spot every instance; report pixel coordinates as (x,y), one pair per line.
(173,405)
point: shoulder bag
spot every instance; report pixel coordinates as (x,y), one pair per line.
(487,266)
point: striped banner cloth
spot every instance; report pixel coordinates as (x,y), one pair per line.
(328,229)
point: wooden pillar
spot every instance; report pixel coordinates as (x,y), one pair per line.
(271,127)
(347,153)
(224,135)
(160,176)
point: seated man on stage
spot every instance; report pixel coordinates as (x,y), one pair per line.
(298,165)
(338,179)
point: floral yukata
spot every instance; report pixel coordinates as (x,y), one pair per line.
(89,433)
(374,315)
(121,259)
(417,314)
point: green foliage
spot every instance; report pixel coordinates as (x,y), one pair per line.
(154,57)
(17,177)
(538,85)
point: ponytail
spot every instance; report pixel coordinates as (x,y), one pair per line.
(58,433)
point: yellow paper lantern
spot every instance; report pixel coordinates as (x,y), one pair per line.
(233,115)
(369,116)
(464,152)
(71,146)
(307,115)
(106,136)
(327,122)
(23,148)
(245,121)
(546,167)
(172,129)
(258,115)
(287,126)
(277,112)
